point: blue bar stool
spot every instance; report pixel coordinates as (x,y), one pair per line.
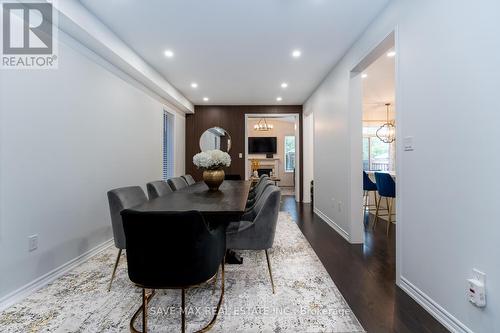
(386,188)
(368,186)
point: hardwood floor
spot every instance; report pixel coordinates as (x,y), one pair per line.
(364,274)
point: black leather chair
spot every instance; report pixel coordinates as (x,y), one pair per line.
(172,250)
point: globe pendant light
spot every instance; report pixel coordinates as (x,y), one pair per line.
(387,132)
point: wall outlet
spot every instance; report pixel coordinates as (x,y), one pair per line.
(32,243)
(477,289)
(340,206)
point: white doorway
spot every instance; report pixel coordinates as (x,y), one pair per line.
(284,160)
(373,104)
(379,139)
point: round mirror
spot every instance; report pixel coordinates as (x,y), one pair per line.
(215,138)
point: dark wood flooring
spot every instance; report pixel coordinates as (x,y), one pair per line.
(365,274)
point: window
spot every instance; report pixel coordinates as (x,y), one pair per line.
(168,145)
(377,155)
(289,153)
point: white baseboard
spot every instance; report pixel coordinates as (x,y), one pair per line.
(26,290)
(441,315)
(332,224)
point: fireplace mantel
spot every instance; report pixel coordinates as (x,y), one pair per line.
(265,163)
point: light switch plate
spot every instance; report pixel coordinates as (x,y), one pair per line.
(32,243)
(408,143)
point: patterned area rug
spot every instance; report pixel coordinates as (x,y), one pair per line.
(306,298)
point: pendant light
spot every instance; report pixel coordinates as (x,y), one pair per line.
(387,132)
(262,125)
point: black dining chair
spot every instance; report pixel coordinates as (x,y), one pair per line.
(172,250)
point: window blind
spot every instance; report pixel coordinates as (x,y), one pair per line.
(168,145)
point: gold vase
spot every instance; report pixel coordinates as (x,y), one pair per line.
(213,178)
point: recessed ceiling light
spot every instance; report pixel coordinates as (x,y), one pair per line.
(391,54)
(194,85)
(364,76)
(279,99)
(284,85)
(205,99)
(296,53)
(169,53)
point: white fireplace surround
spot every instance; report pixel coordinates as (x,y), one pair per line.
(264,163)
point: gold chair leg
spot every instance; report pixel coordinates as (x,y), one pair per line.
(215,281)
(183,311)
(374,198)
(212,322)
(389,210)
(146,300)
(365,196)
(114,269)
(368,201)
(376,211)
(368,204)
(144,309)
(270,271)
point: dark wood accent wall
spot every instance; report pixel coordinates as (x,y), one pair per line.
(232,119)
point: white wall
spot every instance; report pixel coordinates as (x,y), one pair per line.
(68,136)
(447,82)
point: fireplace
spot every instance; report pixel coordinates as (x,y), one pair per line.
(264,171)
(263,165)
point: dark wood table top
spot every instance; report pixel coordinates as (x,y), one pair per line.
(230,200)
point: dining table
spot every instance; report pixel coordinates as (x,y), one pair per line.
(223,206)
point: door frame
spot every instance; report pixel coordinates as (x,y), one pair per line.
(355,176)
(298,147)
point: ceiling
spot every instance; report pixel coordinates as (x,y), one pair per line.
(239,52)
(379,88)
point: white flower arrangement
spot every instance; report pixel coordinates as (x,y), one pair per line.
(212,159)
